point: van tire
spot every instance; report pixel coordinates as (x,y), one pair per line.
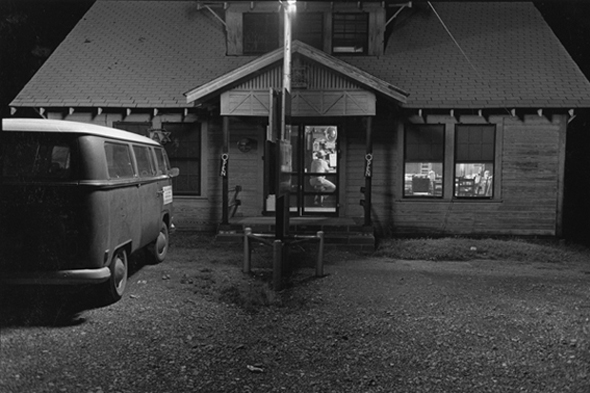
(158,249)
(114,287)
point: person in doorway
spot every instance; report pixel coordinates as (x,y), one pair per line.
(319,182)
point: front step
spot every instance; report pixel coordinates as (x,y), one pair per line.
(348,235)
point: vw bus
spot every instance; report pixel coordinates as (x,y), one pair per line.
(76,200)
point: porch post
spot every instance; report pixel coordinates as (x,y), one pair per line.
(224,172)
(368,169)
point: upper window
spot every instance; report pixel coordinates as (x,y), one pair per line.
(350,32)
(135,127)
(260,32)
(184,152)
(474,160)
(309,28)
(423,160)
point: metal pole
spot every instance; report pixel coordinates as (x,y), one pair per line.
(319,267)
(277,271)
(247,251)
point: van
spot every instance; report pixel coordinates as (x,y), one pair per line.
(76,200)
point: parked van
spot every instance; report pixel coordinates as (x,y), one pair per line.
(77,199)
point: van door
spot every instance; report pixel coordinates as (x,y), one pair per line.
(149,194)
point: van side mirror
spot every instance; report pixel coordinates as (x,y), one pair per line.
(174,172)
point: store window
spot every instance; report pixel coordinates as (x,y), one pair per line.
(423,160)
(184,152)
(261,32)
(350,32)
(474,161)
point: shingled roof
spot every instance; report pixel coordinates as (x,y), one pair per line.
(147,54)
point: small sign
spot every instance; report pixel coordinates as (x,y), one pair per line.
(167,194)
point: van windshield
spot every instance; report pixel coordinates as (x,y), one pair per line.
(30,155)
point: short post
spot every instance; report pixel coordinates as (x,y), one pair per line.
(319,267)
(247,252)
(277,273)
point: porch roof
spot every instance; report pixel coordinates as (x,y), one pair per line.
(148,54)
(216,86)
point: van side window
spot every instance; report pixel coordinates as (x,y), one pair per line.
(145,161)
(162,161)
(118,160)
(35,157)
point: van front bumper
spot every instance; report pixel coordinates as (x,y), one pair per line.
(60,277)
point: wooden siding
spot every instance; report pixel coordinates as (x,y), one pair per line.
(303,103)
(529,182)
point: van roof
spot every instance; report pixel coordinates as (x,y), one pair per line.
(65,126)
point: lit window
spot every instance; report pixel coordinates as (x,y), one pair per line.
(423,160)
(350,33)
(474,161)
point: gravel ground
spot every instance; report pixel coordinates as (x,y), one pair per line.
(195,323)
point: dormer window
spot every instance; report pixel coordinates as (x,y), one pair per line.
(309,28)
(260,32)
(350,33)
(256,28)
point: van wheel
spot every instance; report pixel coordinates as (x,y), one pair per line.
(114,288)
(158,249)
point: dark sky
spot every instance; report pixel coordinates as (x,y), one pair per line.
(31,29)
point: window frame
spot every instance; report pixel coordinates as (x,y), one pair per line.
(493,160)
(365,35)
(411,127)
(172,161)
(267,32)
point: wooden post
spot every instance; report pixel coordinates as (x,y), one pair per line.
(277,262)
(369,165)
(319,267)
(224,172)
(247,252)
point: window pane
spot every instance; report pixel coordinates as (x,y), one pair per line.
(475,143)
(184,150)
(423,179)
(118,161)
(424,143)
(350,33)
(261,32)
(145,165)
(309,28)
(474,180)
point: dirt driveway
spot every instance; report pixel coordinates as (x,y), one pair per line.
(196,324)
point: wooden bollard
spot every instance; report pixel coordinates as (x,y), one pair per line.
(319,267)
(277,265)
(247,252)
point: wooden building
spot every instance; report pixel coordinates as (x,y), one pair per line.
(442,118)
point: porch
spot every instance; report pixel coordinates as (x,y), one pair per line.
(350,233)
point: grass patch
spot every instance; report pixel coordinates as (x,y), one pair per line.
(465,249)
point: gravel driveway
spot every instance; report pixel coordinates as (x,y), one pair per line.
(369,325)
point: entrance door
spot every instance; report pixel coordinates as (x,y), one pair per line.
(314,178)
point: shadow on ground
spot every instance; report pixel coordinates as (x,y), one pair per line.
(53,305)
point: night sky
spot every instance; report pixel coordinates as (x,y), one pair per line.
(31,29)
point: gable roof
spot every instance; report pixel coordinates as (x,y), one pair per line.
(148,54)
(365,79)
